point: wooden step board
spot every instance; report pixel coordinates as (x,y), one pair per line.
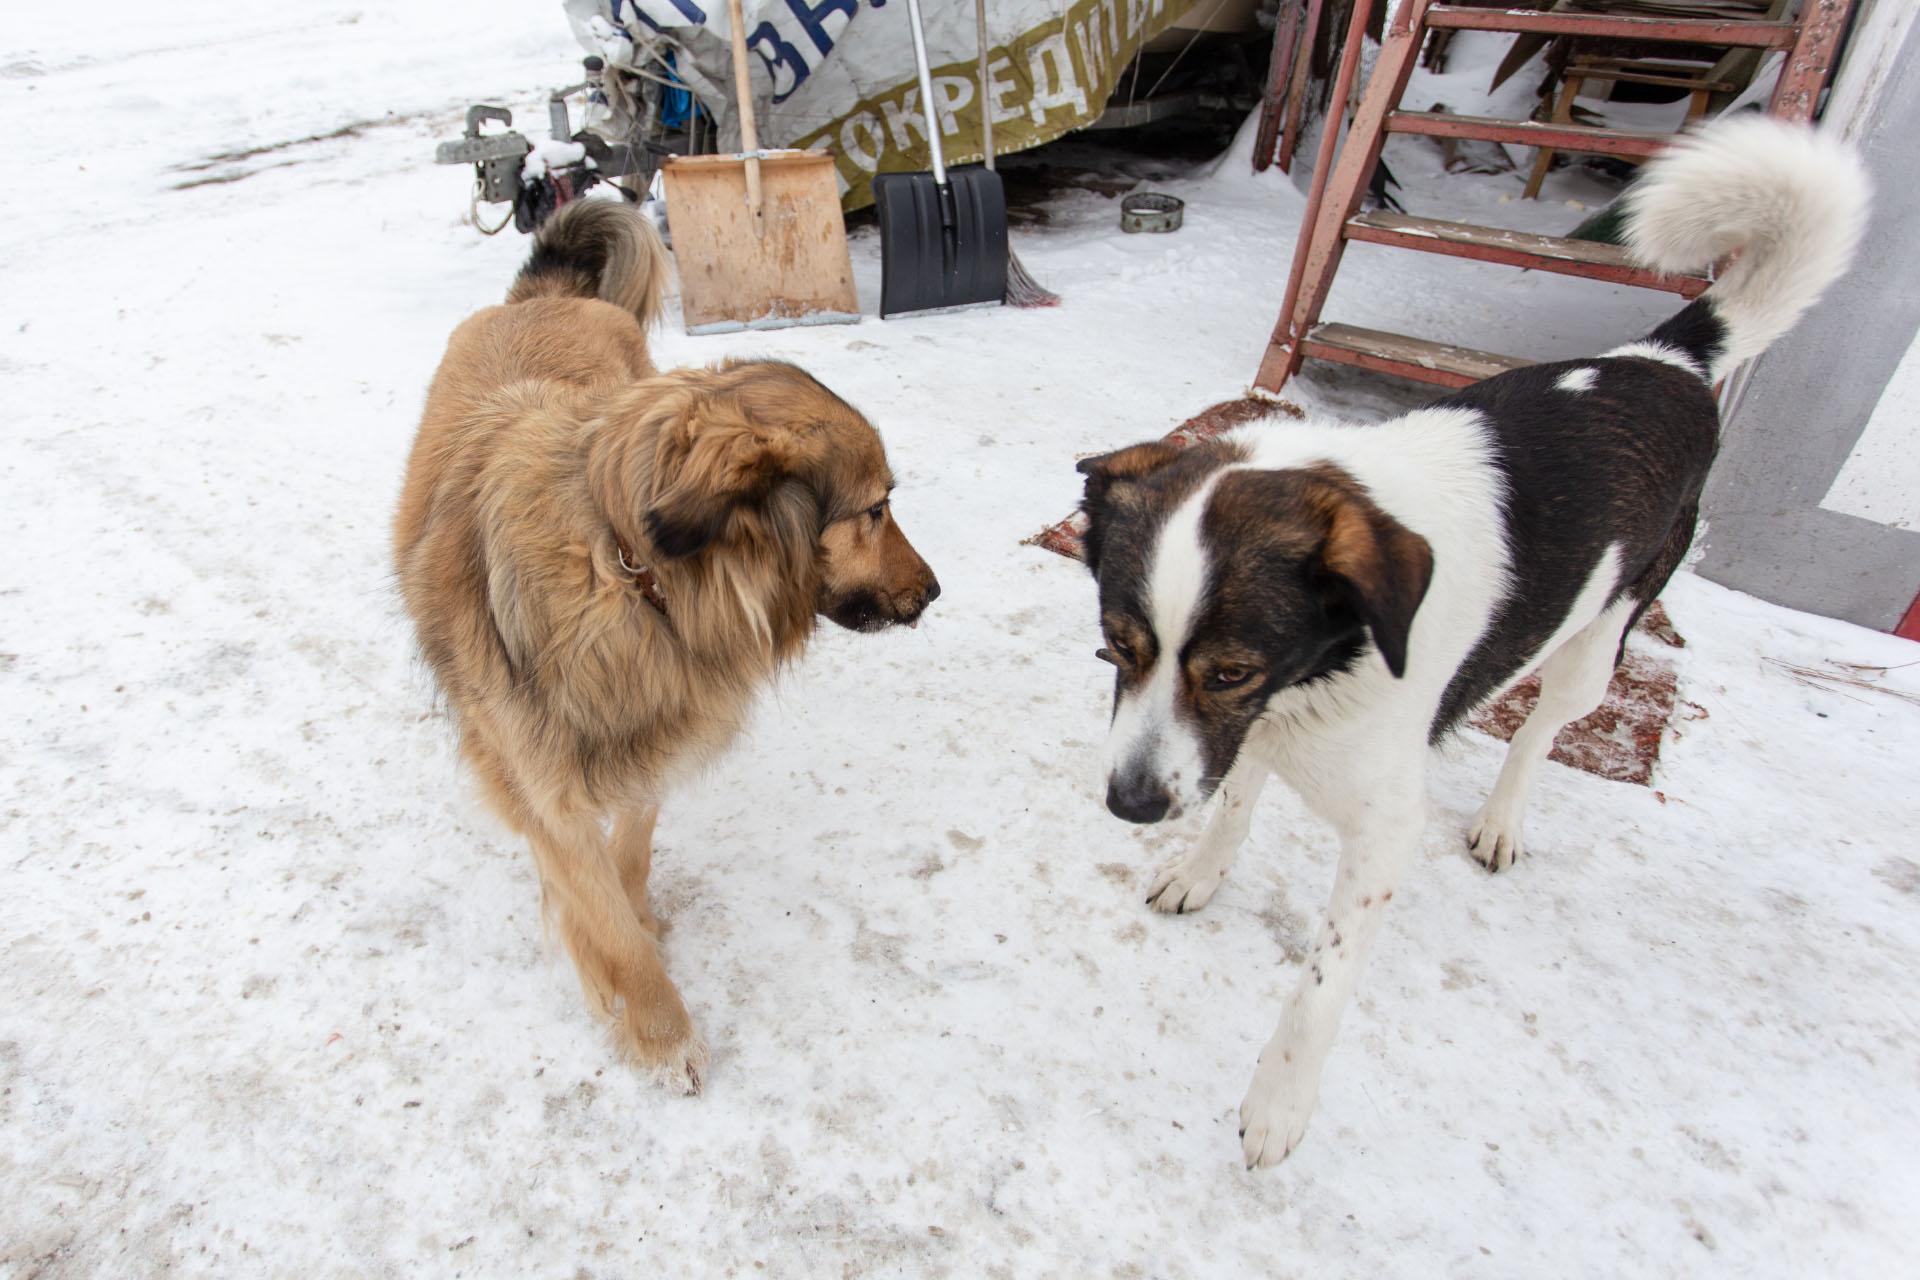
(1706,31)
(1628,143)
(1437,362)
(1595,261)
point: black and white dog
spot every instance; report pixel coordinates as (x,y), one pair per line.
(1325,600)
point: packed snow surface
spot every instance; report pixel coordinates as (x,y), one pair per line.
(274,996)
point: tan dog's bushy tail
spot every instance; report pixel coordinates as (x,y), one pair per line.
(597,249)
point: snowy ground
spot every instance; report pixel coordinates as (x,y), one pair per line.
(274,998)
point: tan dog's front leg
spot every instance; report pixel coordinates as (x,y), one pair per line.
(617,956)
(632,848)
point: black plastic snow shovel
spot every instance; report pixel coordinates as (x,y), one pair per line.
(943,236)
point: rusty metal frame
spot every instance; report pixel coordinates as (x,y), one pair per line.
(1639,277)
(1317,253)
(1822,23)
(1337,189)
(1531,133)
(1383,364)
(1720,33)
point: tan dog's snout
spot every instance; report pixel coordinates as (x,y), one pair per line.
(922,587)
(874,578)
(917,603)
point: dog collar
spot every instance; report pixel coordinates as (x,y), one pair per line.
(642,577)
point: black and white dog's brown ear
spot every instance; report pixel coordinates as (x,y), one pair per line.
(1132,463)
(1373,564)
(1105,471)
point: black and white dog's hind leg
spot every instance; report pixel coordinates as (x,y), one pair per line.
(1573,683)
(1791,204)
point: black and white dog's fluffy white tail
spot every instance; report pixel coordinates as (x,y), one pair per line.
(1789,201)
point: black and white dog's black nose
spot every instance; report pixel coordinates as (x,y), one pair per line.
(1137,798)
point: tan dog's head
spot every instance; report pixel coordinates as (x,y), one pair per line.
(746,454)
(873,577)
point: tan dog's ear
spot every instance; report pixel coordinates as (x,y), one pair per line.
(710,458)
(1377,565)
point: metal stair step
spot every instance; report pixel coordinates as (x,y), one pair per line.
(1631,143)
(1721,33)
(1416,358)
(1585,258)
(1341,176)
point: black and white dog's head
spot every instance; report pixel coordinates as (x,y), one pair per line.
(1220,586)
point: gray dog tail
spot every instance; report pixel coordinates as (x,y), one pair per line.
(597,249)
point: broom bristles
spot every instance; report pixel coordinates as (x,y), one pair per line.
(1023,290)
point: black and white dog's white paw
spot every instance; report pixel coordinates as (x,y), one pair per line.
(1186,884)
(1274,1114)
(1494,838)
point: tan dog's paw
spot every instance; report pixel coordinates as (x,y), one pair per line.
(643,912)
(667,1049)
(1187,884)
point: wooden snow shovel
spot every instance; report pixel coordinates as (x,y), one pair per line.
(943,235)
(758,236)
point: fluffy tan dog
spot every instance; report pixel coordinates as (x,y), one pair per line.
(604,564)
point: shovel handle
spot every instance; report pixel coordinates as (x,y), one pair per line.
(986,103)
(749,132)
(928,106)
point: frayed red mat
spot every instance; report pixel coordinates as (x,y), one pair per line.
(1621,741)
(1063,537)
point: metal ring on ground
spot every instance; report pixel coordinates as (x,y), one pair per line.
(1151,211)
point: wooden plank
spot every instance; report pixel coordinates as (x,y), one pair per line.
(1416,358)
(1590,72)
(731,162)
(1631,144)
(1562,117)
(798,273)
(1587,259)
(1692,63)
(1721,33)
(1286,36)
(1297,90)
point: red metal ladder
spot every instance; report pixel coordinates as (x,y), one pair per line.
(1332,218)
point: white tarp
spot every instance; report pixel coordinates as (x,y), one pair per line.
(839,74)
